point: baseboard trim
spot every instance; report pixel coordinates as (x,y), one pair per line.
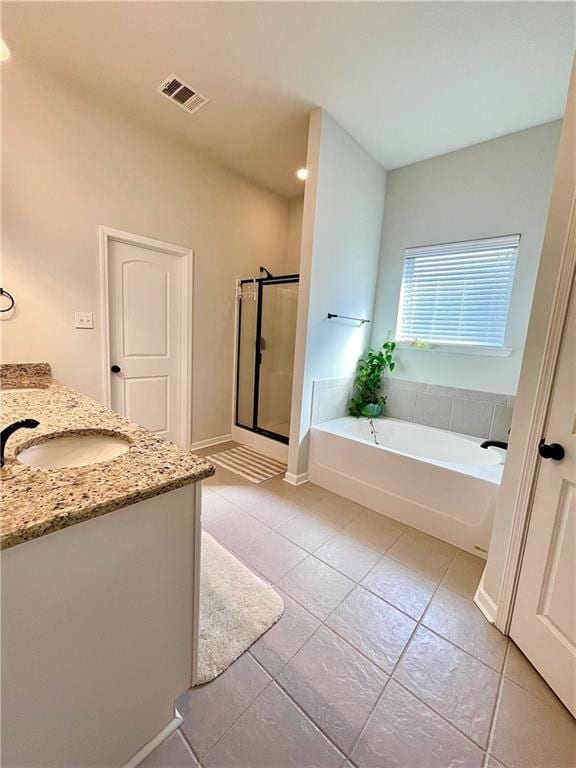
(210,441)
(154,742)
(296,479)
(485,603)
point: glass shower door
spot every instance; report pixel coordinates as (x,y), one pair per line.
(279,305)
(265,362)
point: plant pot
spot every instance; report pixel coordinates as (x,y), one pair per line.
(372,410)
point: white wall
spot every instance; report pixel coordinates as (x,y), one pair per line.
(70,165)
(294,235)
(498,187)
(561,211)
(342,221)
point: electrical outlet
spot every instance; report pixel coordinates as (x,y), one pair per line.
(84,320)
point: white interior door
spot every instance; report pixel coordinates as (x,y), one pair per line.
(148,337)
(544,618)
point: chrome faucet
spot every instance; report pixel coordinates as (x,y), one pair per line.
(10,429)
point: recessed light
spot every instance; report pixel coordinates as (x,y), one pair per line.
(302,173)
(4,51)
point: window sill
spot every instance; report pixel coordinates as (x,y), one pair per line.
(459,349)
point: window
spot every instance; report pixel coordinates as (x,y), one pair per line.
(458,293)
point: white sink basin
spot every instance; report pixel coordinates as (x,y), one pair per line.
(73,451)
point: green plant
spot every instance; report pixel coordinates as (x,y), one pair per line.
(368,400)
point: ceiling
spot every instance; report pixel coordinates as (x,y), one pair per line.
(408,80)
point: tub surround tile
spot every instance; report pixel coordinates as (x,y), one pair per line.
(375,628)
(433,410)
(440,675)
(468,411)
(335,685)
(400,404)
(36,502)
(471,417)
(501,422)
(403,731)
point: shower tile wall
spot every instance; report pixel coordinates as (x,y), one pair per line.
(469,411)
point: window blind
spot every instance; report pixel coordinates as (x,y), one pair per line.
(458,293)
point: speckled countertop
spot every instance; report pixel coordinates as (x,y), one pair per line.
(36,501)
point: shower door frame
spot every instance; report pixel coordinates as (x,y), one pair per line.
(261,282)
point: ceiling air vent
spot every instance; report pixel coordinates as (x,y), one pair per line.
(175,89)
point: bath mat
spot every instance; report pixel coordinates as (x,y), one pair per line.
(236,608)
(248,463)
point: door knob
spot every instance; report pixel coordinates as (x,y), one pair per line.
(552,451)
(115,369)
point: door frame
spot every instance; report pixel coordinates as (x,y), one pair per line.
(106,235)
(538,421)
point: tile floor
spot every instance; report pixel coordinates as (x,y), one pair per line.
(380,659)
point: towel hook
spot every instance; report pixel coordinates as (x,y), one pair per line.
(11,299)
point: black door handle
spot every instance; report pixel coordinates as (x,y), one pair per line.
(552,451)
(115,369)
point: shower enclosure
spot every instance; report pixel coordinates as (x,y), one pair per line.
(267,309)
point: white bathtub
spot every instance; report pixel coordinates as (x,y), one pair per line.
(440,482)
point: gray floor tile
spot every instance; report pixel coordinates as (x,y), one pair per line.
(518,669)
(350,557)
(374,627)
(464,573)
(425,554)
(316,586)
(404,733)
(273,733)
(374,530)
(277,646)
(451,682)
(273,555)
(307,531)
(460,621)
(334,684)
(406,589)
(211,709)
(529,733)
(172,753)
(273,509)
(234,528)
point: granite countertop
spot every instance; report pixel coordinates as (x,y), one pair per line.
(37,501)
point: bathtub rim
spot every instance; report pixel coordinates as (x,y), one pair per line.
(491,473)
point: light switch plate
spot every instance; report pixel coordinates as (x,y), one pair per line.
(84,320)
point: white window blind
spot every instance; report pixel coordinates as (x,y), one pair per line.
(458,293)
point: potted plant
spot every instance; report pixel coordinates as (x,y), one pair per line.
(368,399)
